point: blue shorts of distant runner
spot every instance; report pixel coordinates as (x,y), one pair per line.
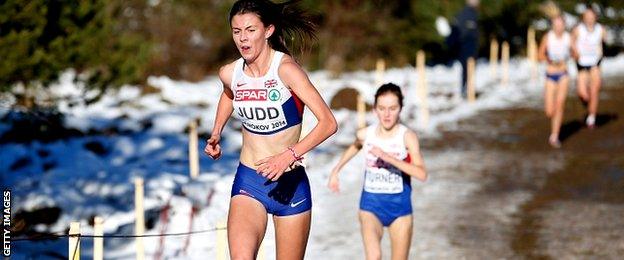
(555,77)
(289,195)
(387,207)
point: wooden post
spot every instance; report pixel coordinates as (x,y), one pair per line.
(493,56)
(530,35)
(193,153)
(139,224)
(361,110)
(421,85)
(381,68)
(505,65)
(98,242)
(74,242)
(532,52)
(470,80)
(222,240)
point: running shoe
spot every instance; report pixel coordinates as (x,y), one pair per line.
(590,121)
(553,140)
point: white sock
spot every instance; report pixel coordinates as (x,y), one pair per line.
(591,120)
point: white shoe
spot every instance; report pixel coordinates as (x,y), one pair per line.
(590,121)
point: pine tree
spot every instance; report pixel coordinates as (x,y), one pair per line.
(39,39)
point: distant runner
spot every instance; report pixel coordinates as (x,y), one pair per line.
(392,158)
(555,50)
(587,39)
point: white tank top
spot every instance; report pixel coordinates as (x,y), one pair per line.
(265,105)
(589,45)
(558,48)
(382,177)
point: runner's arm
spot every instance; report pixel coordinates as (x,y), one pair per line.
(224,107)
(224,111)
(573,39)
(542,49)
(416,167)
(294,76)
(352,150)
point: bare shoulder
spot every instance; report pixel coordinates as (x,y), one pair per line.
(410,136)
(288,62)
(289,69)
(225,73)
(575,30)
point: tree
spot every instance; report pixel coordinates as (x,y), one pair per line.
(39,39)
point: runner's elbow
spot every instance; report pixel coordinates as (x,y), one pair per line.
(331,126)
(421,174)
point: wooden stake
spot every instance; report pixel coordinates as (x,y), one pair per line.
(222,240)
(139,225)
(422,90)
(74,242)
(505,65)
(193,153)
(493,56)
(530,36)
(381,68)
(361,110)
(532,52)
(98,242)
(471,80)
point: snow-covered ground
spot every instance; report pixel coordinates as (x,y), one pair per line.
(151,142)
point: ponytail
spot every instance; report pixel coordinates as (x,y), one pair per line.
(290,22)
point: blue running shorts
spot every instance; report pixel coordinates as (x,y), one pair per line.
(289,195)
(387,207)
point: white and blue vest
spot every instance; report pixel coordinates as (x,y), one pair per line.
(265,105)
(558,48)
(382,177)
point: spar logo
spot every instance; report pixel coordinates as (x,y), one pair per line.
(274,95)
(251,95)
(271,83)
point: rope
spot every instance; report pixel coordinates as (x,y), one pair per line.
(188,239)
(165,220)
(76,249)
(56,236)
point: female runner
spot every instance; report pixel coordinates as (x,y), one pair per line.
(392,158)
(266,89)
(555,50)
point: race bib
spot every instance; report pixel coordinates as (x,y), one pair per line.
(383,180)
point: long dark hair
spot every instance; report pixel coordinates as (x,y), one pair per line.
(290,22)
(392,89)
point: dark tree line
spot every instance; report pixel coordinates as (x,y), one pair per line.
(117,42)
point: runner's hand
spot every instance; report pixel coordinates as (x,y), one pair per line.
(376,151)
(273,167)
(334,184)
(213,148)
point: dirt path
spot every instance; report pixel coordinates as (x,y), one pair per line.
(534,201)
